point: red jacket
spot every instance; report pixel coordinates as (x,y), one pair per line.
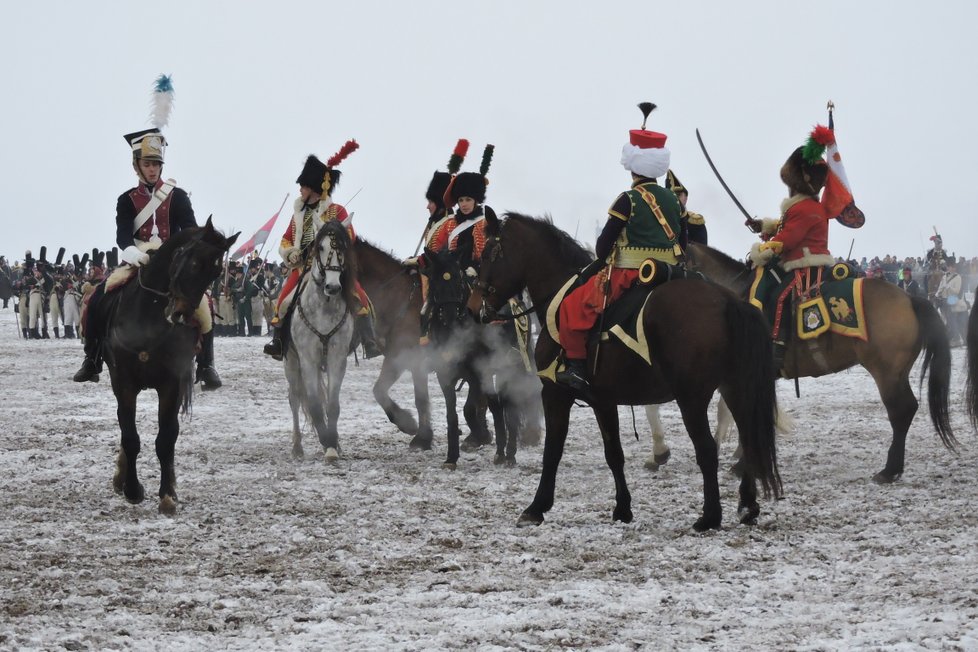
(803,235)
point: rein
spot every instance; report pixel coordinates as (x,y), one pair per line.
(139,278)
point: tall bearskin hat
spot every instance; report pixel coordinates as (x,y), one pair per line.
(673,183)
(645,153)
(805,171)
(149,144)
(440,181)
(473,184)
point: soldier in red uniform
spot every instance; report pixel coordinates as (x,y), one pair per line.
(642,223)
(796,242)
(313,208)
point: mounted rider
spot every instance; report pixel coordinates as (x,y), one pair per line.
(693,224)
(795,246)
(440,223)
(146,217)
(643,222)
(313,208)
(466,232)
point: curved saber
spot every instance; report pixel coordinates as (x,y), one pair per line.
(720,179)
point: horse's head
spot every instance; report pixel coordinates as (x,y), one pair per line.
(448,290)
(194,263)
(332,260)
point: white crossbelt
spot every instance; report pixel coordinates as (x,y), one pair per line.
(159,196)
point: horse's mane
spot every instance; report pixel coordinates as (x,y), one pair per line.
(371,247)
(566,247)
(721,257)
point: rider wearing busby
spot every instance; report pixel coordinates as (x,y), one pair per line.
(467,235)
(693,224)
(798,240)
(441,220)
(313,208)
(643,222)
(147,216)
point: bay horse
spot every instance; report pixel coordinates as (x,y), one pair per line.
(149,338)
(699,337)
(319,337)
(899,327)
(972,386)
(472,352)
(395,293)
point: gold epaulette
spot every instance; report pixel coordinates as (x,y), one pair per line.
(695,218)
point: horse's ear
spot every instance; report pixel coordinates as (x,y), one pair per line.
(492,224)
(210,222)
(229,241)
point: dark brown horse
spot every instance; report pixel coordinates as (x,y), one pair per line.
(899,326)
(149,341)
(395,292)
(972,388)
(699,337)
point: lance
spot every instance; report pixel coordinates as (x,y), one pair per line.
(722,182)
(851,245)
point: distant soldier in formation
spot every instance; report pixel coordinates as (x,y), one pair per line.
(693,227)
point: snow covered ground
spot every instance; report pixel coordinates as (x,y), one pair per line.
(388,551)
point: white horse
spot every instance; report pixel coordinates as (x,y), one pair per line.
(319,335)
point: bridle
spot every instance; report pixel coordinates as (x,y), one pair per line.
(492,252)
(335,260)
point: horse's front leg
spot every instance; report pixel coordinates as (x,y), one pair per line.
(335,370)
(446,381)
(607,416)
(126,481)
(390,371)
(556,413)
(314,400)
(166,442)
(294,376)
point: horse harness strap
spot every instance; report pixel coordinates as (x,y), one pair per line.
(324,338)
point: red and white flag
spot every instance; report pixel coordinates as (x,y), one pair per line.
(260,237)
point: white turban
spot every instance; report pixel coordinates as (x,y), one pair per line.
(651,162)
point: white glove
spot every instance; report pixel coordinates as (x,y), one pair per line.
(760,257)
(471,273)
(134,256)
(293,257)
(410,262)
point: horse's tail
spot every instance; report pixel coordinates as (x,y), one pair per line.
(752,388)
(972,391)
(937,357)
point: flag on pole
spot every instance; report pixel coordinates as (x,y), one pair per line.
(261,235)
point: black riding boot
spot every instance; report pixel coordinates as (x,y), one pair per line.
(69,332)
(274,348)
(365,329)
(91,365)
(206,373)
(26,332)
(574,375)
(35,334)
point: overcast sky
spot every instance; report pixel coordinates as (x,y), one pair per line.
(553,85)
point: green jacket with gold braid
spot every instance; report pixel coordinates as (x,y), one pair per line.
(651,215)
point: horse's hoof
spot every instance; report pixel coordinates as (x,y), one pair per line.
(623,515)
(885,477)
(168,505)
(662,458)
(420,444)
(748,514)
(298,454)
(136,496)
(529,518)
(473,443)
(704,523)
(449,466)
(498,459)
(651,464)
(511,461)
(332,455)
